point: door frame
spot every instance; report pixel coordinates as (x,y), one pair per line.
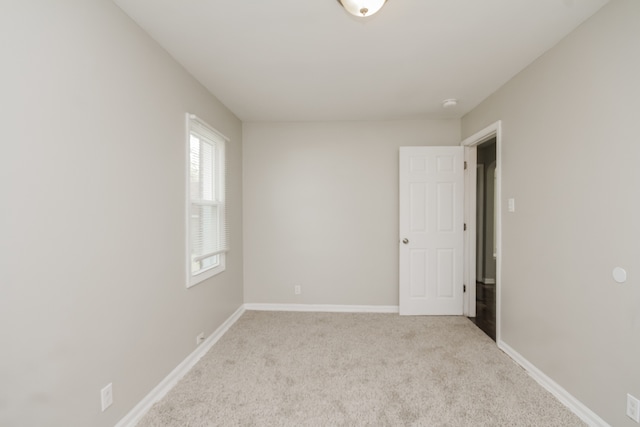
(470,145)
(479,220)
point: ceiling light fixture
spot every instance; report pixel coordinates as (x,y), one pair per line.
(362,8)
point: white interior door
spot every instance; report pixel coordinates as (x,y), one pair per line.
(431,230)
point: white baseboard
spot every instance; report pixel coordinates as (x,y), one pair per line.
(328,308)
(136,414)
(577,407)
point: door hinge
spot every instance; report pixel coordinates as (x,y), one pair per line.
(464,228)
(465,165)
(464,288)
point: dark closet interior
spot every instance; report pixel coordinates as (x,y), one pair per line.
(486,239)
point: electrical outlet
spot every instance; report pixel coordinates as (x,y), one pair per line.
(106,396)
(633,408)
(297,289)
(200,338)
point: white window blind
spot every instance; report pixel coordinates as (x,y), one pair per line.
(207,230)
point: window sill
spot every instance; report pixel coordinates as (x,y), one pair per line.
(207,274)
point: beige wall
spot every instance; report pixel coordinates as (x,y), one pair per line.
(570,160)
(321,208)
(92,270)
(92,220)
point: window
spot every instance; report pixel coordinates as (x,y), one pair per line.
(206,226)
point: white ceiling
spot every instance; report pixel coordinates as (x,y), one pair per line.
(309,60)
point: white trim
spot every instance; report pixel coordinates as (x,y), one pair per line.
(469,264)
(187,199)
(325,308)
(483,135)
(199,126)
(136,414)
(206,125)
(566,398)
(479,220)
(493,130)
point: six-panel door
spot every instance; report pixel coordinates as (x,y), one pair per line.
(431,230)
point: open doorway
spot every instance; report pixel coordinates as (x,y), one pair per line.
(482,271)
(486,242)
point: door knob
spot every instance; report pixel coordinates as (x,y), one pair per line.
(405,241)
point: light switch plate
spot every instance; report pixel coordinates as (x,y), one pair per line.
(106,396)
(633,408)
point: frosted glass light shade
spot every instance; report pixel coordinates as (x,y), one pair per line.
(362,7)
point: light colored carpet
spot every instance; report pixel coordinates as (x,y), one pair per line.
(337,369)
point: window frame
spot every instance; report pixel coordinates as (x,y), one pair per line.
(219,142)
